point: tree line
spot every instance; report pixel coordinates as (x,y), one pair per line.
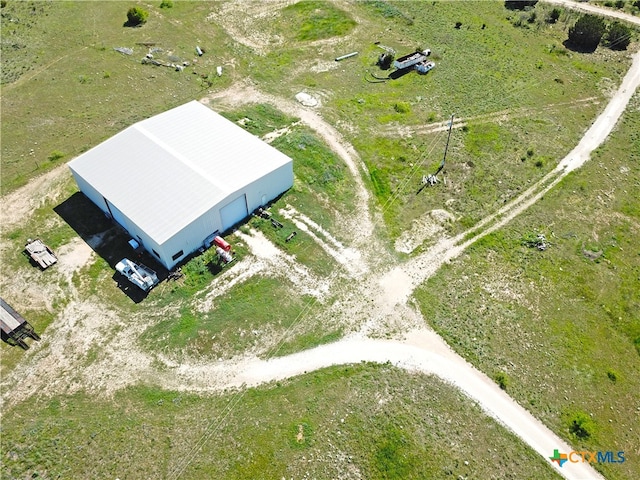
(589,31)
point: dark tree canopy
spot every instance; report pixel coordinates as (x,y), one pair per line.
(618,36)
(587,32)
(136,16)
(554,15)
(519,4)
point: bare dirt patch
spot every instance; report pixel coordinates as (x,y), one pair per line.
(426,227)
(73,256)
(19,205)
(247,21)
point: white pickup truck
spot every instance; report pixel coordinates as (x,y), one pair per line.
(138,274)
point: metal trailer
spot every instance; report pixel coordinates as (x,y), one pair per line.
(411,59)
(424,66)
(40,253)
(15,329)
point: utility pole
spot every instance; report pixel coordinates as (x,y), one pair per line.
(433,179)
(447,145)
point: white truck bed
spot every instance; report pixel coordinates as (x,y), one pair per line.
(138,274)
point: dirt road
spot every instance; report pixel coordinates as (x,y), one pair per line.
(587,7)
(422,351)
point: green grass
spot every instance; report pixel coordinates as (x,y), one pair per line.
(372,419)
(302,247)
(322,174)
(46,122)
(313,20)
(260,119)
(251,315)
(561,324)
(487,165)
(69,90)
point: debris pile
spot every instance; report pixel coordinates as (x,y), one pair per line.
(539,241)
(306,99)
(124,50)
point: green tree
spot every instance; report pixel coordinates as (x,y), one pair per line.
(618,36)
(587,32)
(519,4)
(136,16)
(581,425)
(554,15)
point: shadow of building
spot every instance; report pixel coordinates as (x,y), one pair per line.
(108,239)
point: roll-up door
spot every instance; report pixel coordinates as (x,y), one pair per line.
(233,212)
(116,214)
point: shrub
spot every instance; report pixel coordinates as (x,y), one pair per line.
(55,155)
(581,425)
(402,107)
(554,15)
(136,16)
(502,380)
(620,3)
(613,375)
(519,4)
(618,36)
(166,4)
(587,32)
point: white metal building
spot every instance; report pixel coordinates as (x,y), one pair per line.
(177,179)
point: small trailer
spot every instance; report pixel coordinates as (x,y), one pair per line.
(40,253)
(15,329)
(138,274)
(411,59)
(424,66)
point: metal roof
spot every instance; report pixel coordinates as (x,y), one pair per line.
(167,170)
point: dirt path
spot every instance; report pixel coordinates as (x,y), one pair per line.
(361,226)
(19,204)
(422,351)
(504,115)
(587,7)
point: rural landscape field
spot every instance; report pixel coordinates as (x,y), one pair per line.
(382,323)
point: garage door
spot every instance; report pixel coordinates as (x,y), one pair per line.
(116,214)
(233,212)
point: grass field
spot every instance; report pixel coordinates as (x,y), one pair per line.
(560,327)
(363,421)
(247,318)
(71,90)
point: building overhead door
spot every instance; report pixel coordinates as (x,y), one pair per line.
(116,214)
(233,212)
